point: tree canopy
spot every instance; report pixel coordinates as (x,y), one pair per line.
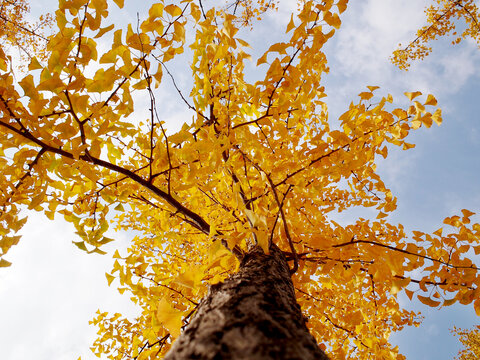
(257,162)
(17,32)
(444,18)
(471,342)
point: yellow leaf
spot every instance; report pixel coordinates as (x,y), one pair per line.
(119,207)
(103,31)
(448,302)
(3,64)
(173,10)
(179,33)
(29,87)
(189,278)
(437,116)
(467,213)
(426,120)
(17,225)
(419,107)
(110,278)
(412,95)
(34,64)
(409,293)
(53,84)
(291,24)
(384,152)
(399,113)
(332,19)
(60,19)
(36,201)
(8,241)
(369,341)
(255,219)
(4,263)
(119,3)
(262,239)
(356,317)
(398,284)
(263,59)
(381,215)
(278,47)
(195,11)
(453,221)
(415,124)
(427,301)
(431,100)
(180,137)
(169,317)
(156,10)
(342,5)
(243,42)
(365,95)
(80,245)
(110,56)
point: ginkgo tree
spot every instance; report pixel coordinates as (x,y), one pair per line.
(444,18)
(17,32)
(470,339)
(234,214)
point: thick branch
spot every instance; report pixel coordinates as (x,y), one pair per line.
(197,220)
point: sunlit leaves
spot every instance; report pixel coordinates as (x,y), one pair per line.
(442,18)
(470,339)
(256,161)
(342,5)
(18,31)
(169,317)
(428,301)
(4,263)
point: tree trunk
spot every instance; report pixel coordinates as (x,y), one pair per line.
(252,315)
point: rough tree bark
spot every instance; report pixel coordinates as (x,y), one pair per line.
(252,315)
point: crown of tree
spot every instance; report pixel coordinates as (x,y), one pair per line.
(257,164)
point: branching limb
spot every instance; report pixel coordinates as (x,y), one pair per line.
(392,248)
(282,213)
(194,219)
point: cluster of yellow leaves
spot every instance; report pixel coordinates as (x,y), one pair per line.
(247,11)
(60,119)
(259,162)
(443,19)
(16,32)
(471,341)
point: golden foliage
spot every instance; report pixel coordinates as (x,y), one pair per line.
(19,33)
(258,162)
(471,341)
(444,17)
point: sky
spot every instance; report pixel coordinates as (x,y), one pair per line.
(53,289)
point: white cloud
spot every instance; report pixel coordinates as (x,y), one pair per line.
(398,166)
(371,31)
(281,17)
(460,68)
(50,293)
